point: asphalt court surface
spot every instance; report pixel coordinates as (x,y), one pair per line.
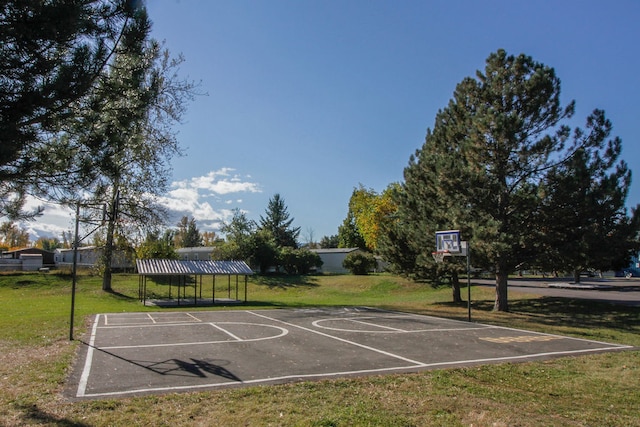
(160,352)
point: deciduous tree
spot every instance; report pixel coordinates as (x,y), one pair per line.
(157,245)
(126,133)
(348,234)
(370,210)
(12,236)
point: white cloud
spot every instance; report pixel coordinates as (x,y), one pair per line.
(198,197)
(55,219)
(219,182)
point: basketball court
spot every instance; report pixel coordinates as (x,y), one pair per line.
(130,354)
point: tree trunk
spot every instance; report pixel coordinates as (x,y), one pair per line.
(455,286)
(576,276)
(107,256)
(501,303)
(108,247)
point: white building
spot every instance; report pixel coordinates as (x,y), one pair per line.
(198,253)
(332,259)
(89,256)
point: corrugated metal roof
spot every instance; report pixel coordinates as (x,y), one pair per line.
(159,267)
(334,250)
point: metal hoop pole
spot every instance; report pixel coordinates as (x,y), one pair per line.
(468,282)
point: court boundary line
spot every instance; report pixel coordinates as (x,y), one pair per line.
(337,374)
(414,365)
(84,378)
(615,346)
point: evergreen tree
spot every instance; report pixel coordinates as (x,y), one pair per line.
(483,163)
(278,223)
(188,235)
(427,202)
(329,241)
(586,222)
(52,53)
(348,234)
(264,250)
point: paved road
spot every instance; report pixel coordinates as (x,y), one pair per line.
(614,290)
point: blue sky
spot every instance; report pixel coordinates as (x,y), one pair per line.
(311,98)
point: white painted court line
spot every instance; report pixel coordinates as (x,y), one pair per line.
(376,350)
(374,325)
(609,345)
(388,329)
(226,332)
(415,365)
(193,317)
(235,339)
(84,378)
(326,374)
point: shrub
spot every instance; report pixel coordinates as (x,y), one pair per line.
(360,263)
(299,261)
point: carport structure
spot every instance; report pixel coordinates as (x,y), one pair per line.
(185,273)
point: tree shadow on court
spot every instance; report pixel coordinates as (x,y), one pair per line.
(281,281)
(563,313)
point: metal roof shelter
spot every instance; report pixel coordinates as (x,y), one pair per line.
(188,273)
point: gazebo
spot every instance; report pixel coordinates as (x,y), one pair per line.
(185,273)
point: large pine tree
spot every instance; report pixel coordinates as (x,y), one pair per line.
(480,167)
(53,53)
(586,225)
(501,166)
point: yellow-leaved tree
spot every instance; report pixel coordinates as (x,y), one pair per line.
(370,210)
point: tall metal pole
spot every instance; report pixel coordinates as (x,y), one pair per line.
(73,272)
(469,281)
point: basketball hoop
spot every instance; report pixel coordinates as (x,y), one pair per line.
(438,256)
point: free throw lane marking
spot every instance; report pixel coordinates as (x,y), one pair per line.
(376,350)
(279,332)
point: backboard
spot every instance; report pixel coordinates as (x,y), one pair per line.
(448,241)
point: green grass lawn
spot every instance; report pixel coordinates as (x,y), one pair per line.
(592,390)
